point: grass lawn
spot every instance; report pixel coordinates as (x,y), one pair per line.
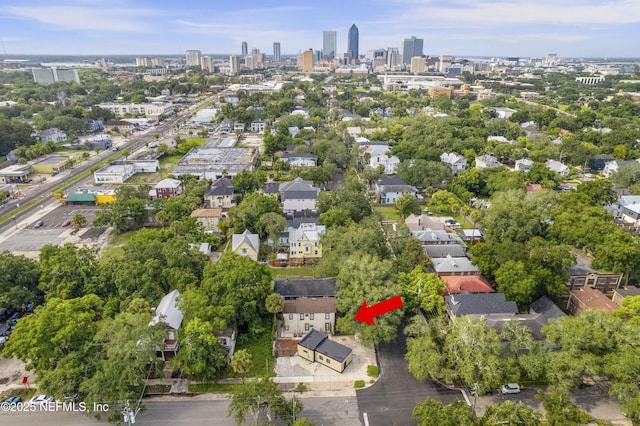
(293,272)
(563,107)
(260,349)
(115,247)
(169,161)
(167,164)
(388,212)
(196,141)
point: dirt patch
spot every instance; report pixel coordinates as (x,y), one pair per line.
(286,347)
(11,373)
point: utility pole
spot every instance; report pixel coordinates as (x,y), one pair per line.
(128,415)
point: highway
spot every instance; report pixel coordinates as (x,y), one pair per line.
(43,191)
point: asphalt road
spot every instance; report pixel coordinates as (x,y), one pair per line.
(324,411)
(392,398)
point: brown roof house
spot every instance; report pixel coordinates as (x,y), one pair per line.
(209,218)
(587,298)
(317,347)
(422,222)
(308,313)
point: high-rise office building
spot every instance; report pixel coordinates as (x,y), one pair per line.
(207,63)
(245,49)
(307,61)
(352,45)
(276,52)
(412,47)
(234,64)
(194,57)
(394,59)
(445,63)
(329,44)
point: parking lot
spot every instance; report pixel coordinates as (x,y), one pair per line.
(28,240)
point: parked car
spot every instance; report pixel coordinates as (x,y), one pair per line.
(12,400)
(66,223)
(510,388)
(452,223)
(38,224)
(40,400)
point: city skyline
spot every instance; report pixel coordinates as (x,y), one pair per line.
(478,27)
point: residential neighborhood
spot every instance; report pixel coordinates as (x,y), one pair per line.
(422,240)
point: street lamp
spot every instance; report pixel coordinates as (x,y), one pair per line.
(14,222)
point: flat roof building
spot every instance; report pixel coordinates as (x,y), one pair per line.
(50,165)
(121,170)
(214,163)
(16,173)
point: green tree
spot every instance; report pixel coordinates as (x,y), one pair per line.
(274,304)
(444,201)
(431,412)
(201,355)
(423,290)
(366,278)
(561,411)
(68,271)
(65,358)
(247,181)
(246,214)
(19,277)
(509,412)
(78,220)
(241,362)
(253,398)
(423,173)
(406,204)
(271,225)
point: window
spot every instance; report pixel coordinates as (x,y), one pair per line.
(244,251)
(327,326)
(290,316)
(286,327)
(306,326)
(320,357)
(311,316)
(327,316)
(316,252)
(299,244)
(301,316)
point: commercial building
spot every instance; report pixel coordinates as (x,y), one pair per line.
(234,64)
(412,47)
(216,162)
(16,173)
(245,49)
(121,170)
(54,75)
(194,58)
(394,59)
(353,42)
(276,52)
(418,65)
(307,61)
(206,63)
(50,165)
(329,44)
(148,110)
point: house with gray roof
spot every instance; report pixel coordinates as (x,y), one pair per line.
(221,195)
(422,222)
(479,305)
(168,314)
(318,347)
(557,167)
(454,266)
(430,237)
(487,161)
(523,164)
(246,244)
(389,189)
(457,163)
(444,250)
(298,195)
(302,159)
(611,167)
(293,288)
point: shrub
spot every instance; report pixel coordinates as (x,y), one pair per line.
(301,387)
(373,371)
(358,384)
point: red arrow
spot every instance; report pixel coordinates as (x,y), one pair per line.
(368,313)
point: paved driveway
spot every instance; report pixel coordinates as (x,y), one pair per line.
(392,398)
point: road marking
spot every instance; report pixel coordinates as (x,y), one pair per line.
(366,419)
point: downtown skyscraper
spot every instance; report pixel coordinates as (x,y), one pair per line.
(276,52)
(329,44)
(353,41)
(412,47)
(245,49)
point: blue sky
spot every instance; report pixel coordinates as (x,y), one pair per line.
(460,27)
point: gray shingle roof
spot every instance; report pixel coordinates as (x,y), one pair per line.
(480,304)
(547,308)
(305,287)
(319,342)
(252,239)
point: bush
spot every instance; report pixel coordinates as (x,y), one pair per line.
(373,371)
(301,387)
(358,384)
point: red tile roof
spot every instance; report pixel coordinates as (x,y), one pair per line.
(470,283)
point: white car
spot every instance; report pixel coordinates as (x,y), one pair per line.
(510,388)
(40,400)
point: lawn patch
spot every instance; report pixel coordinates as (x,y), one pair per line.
(388,212)
(261,350)
(293,272)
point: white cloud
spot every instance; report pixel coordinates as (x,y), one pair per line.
(88,18)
